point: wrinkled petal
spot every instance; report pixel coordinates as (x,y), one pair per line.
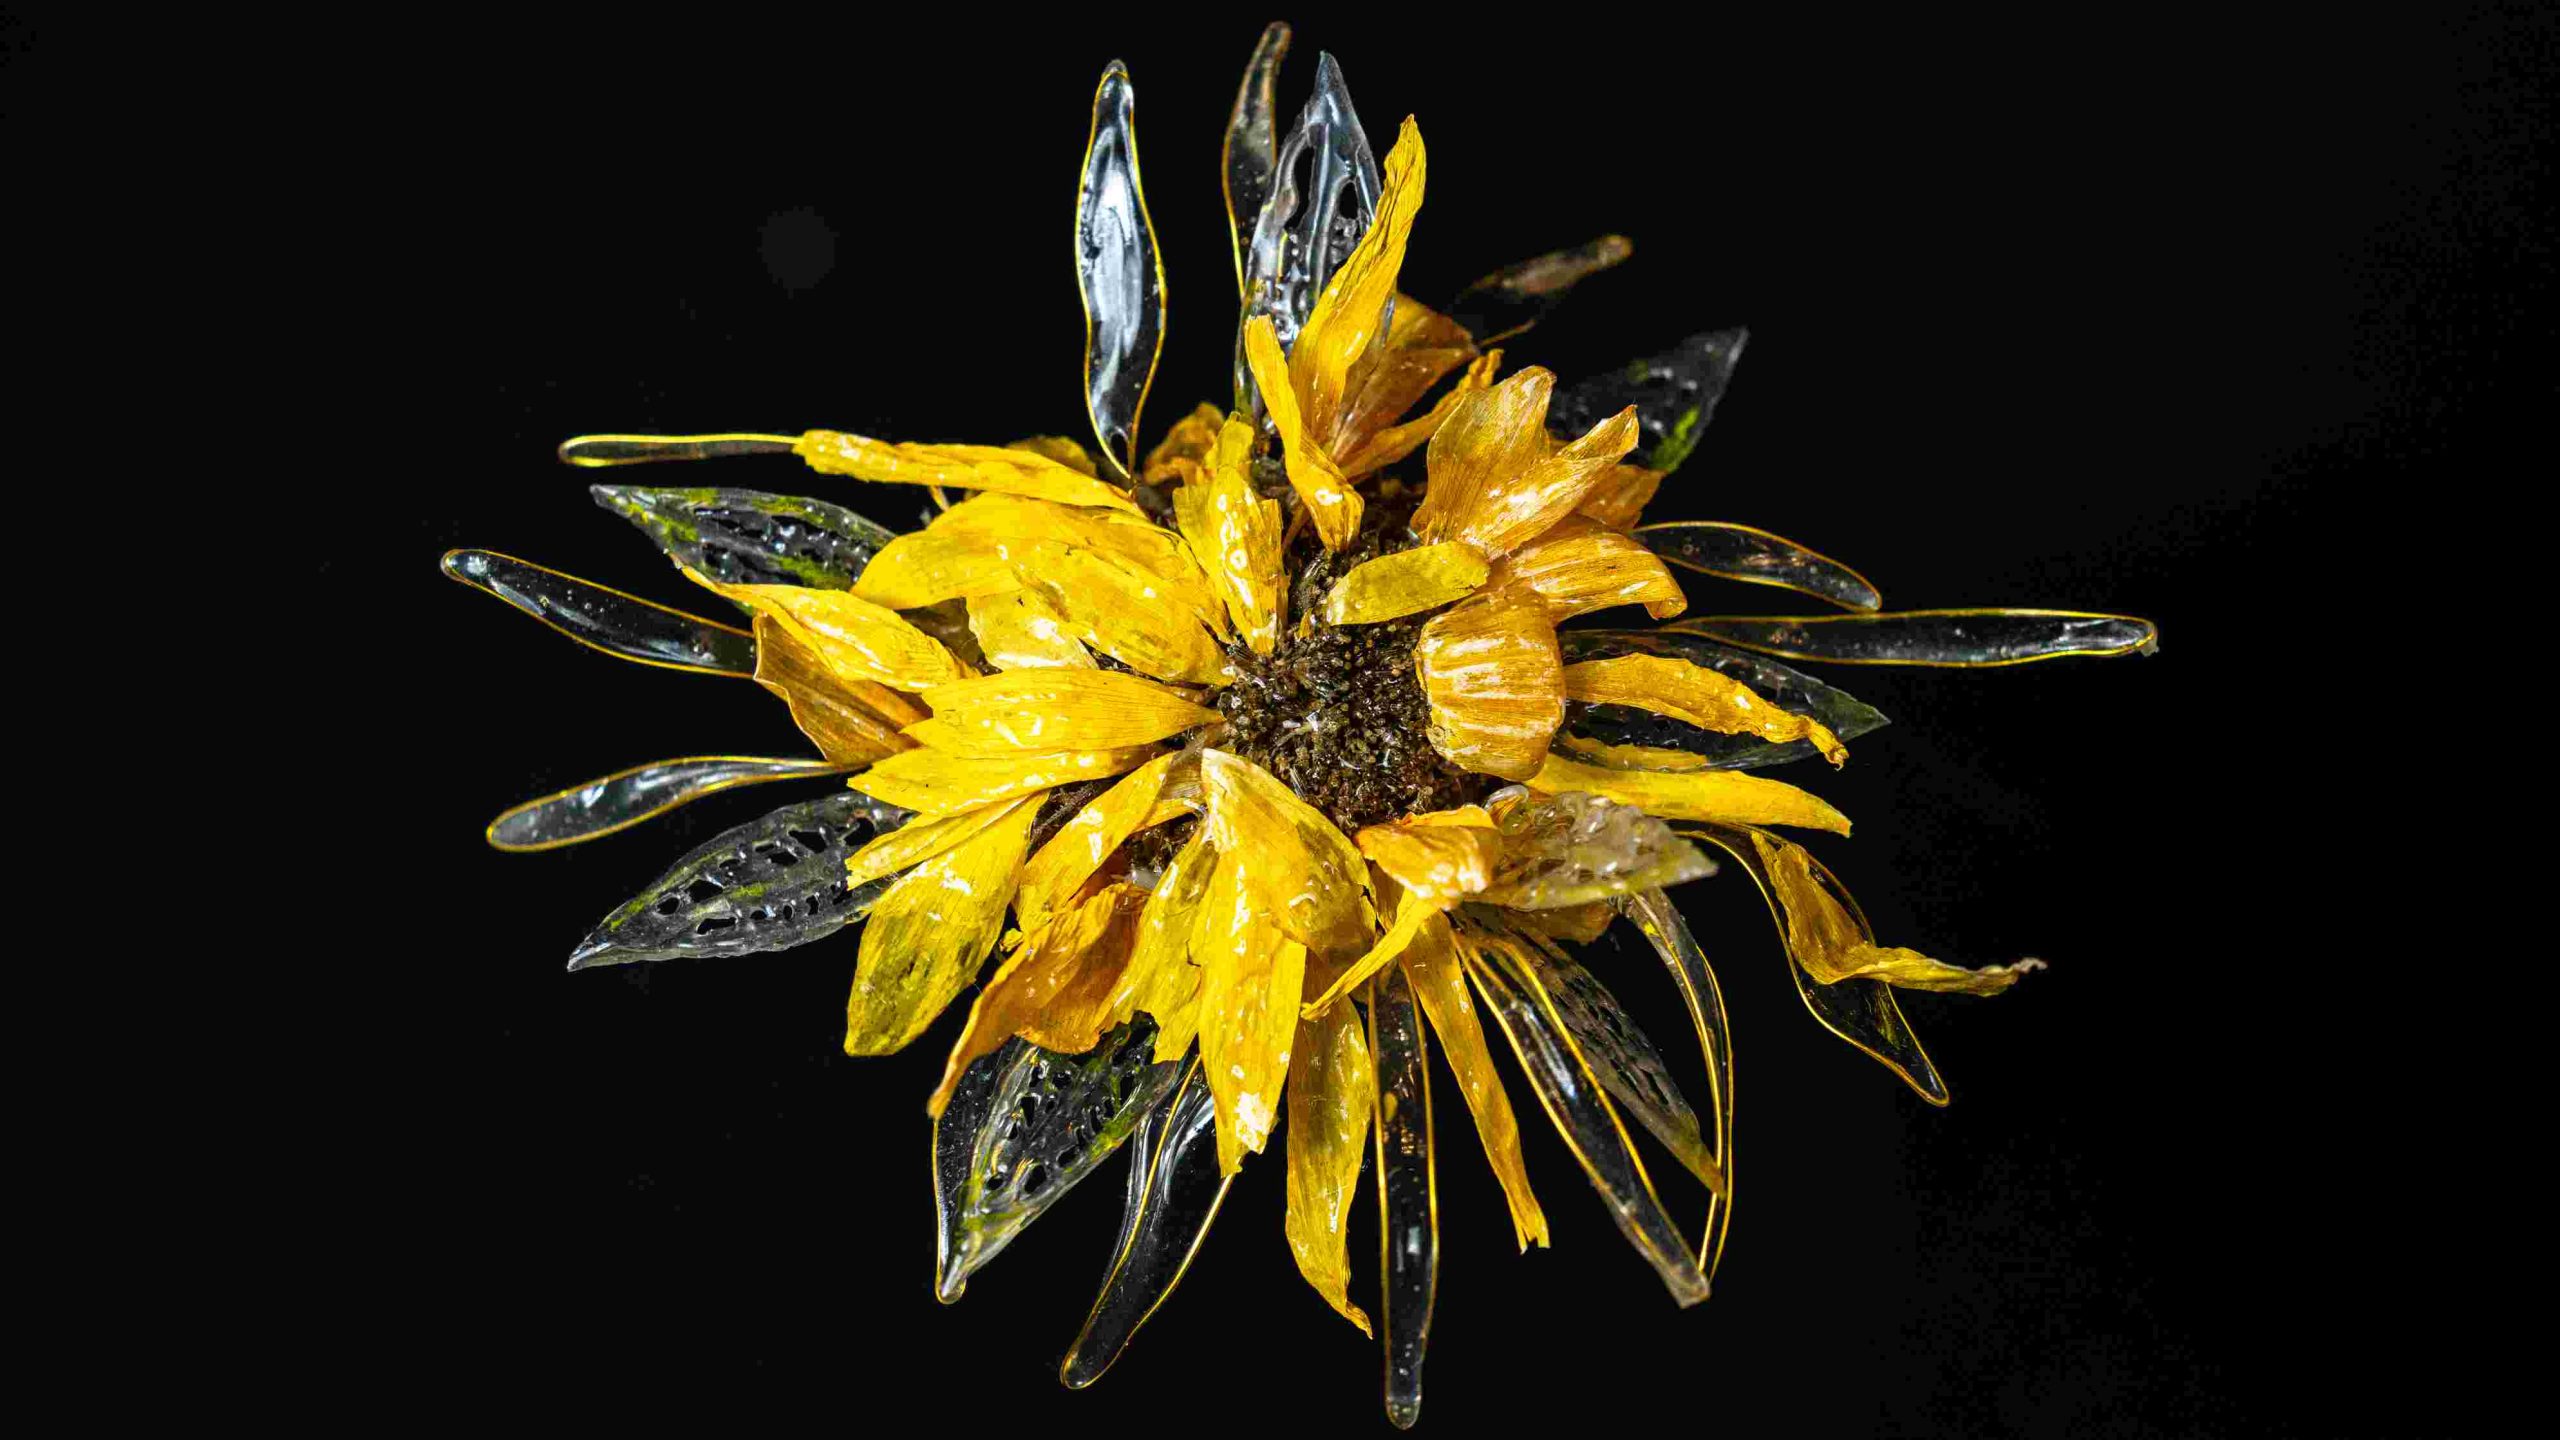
(1082,844)
(932,565)
(1618,500)
(1489,435)
(1054,990)
(1161,979)
(1123,612)
(1236,536)
(1394,442)
(850,636)
(1698,696)
(1580,565)
(1190,442)
(1250,978)
(1331,502)
(851,721)
(1405,583)
(957,467)
(1010,712)
(937,782)
(1332,1082)
(929,933)
(1440,856)
(1725,795)
(1301,873)
(909,845)
(1013,529)
(1022,630)
(1573,849)
(1431,965)
(1832,946)
(1339,348)
(1421,346)
(1061,448)
(1495,682)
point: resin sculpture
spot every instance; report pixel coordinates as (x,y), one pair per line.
(1274,744)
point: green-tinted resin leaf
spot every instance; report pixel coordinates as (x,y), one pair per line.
(1174,1192)
(1790,690)
(746,537)
(606,619)
(1675,395)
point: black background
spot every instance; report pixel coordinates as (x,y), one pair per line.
(2124,313)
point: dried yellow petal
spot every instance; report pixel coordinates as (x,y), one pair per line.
(1331,502)
(1405,583)
(1431,966)
(1348,325)
(1725,795)
(929,566)
(1394,442)
(1489,435)
(894,850)
(1014,711)
(1833,946)
(1023,630)
(937,782)
(1421,346)
(1009,528)
(1054,990)
(852,637)
(851,721)
(1441,856)
(1125,613)
(959,467)
(1161,979)
(1301,872)
(1632,757)
(1250,978)
(1081,845)
(1332,1084)
(1579,923)
(929,932)
(1189,441)
(1619,499)
(1579,566)
(1412,913)
(1236,536)
(1495,682)
(1697,695)
(1061,448)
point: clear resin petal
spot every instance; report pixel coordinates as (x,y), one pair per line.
(1958,639)
(1793,691)
(1408,1190)
(1756,557)
(618,801)
(1119,274)
(1572,849)
(1660,921)
(1328,186)
(624,626)
(1251,158)
(1516,296)
(1674,393)
(747,537)
(1175,1187)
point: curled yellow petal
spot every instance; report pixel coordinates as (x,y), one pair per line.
(1348,329)
(1082,844)
(1013,711)
(1161,979)
(1697,695)
(1236,536)
(1331,502)
(1580,565)
(1332,1084)
(1618,500)
(851,637)
(1726,795)
(1250,978)
(851,721)
(1412,913)
(930,931)
(1022,630)
(938,782)
(894,850)
(1421,346)
(1405,583)
(1054,990)
(1392,443)
(1489,437)
(1010,527)
(1832,946)
(1063,449)
(1125,613)
(1190,441)
(1495,682)
(1517,508)
(1441,856)
(1431,966)
(959,467)
(1301,873)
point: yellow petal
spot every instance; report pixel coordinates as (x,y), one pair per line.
(929,932)
(959,467)
(937,782)
(1330,500)
(1081,845)
(1579,923)
(1332,1084)
(1726,795)
(1421,346)
(1022,630)
(1054,989)
(1250,977)
(851,721)
(1190,440)
(1431,966)
(1405,583)
(1161,979)
(852,637)
(1491,671)
(1014,711)
(1441,856)
(894,850)
(929,566)
(1631,757)
(1832,946)
(1347,327)
(1394,442)
(1695,694)
(1580,565)
(1062,449)
(1236,536)
(1412,914)
(1125,614)
(1518,507)
(1489,436)
(1619,499)
(1300,872)
(1009,526)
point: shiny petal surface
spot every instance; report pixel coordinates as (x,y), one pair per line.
(1408,1189)
(1374,450)
(1431,966)
(1572,849)
(770,884)
(1440,857)
(928,934)
(1695,695)
(1326,189)
(852,722)
(1251,974)
(1118,272)
(1332,1085)
(902,849)
(1088,839)
(851,637)
(1833,945)
(1513,298)
(616,802)
(1490,436)
(1185,449)
(1250,160)
(957,467)
(1331,502)
(1619,499)
(1421,345)
(1024,630)
(1237,537)
(1175,1187)
(1037,710)
(1054,989)
(1407,582)
(1756,557)
(1674,395)
(1490,670)
(623,626)
(1298,871)
(1958,639)
(1347,334)
(1161,979)
(1659,920)
(1793,691)
(937,782)
(1580,565)
(747,537)
(1701,795)
(935,564)
(1123,612)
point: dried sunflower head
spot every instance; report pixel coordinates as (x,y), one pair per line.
(1259,761)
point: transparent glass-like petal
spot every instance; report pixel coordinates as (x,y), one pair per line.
(1408,1190)
(769,884)
(1756,557)
(624,626)
(1674,393)
(1515,297)
(1862,1012)
(1119,274)
(1659,919)
(1309,225)
(1023,1127)
(618,801)
(1954,639)
(746,537)
(1790,690)
(1572,1095)
(1174,1191)
(1572,849)
(1251,159)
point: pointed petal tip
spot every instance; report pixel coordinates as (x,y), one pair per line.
(949,1286)
(590,953)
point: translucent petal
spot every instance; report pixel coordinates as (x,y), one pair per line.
(1330,501)
(1618,500)
(936,564)
(1161,979)
(616,802)
(1438,857)
(1739,552)
(1348,329)
(749,537)
(624,626)
(1251,974)
(1118,272)
(897,851)
(1123,612)
(1054,989)
(1082,845)
(598,452)
(1412,914)
(1702,795)
(1674,395)
(1407,582)
(772,883)
(1655,915)
(937,782)
(957,467)
(1408,1188)
(1695,695)
(1832,945)
(1062,449)
(1580,924)
(1432,967)
(1387,444)
(852,722)
(1009,522)
(1175,1186)
(1236,536)
(1024,1126)
(1024,630)
(1490,436)
(1186,447)
(1790,690)
(1571,1094)
(852,637)
(1514,297)
(1010,712)
(1949,638)
(1251,158)
(1580,565)
(1862,1012)
(1421,345)
(1627,757)
(929,932)
(1332,1085)
(1299,872)
(1560,850)
(1490,670)
(1304,232)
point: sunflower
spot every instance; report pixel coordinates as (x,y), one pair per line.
(1238,774)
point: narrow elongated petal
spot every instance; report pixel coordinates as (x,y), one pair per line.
(1236,536)
(1793,691)
(930,932)
(1412,914)
(1833,946)
(1332,1084)
(850,636)
(616,802)
(852,721)
(1010,712)
(1250,161)
(1490,670)
(1440,857)
(1064,449)
(1961,639)
(1023,630)
(1349,327)
(1325,191)
(912,844)
(1655,915)
(1124,613)
(1251,974)
(1703,795)
(936,782)
(1118,272)
(1297,870)
(1375,450)
(1756,557)
(1408,1190)
(1331,502)
(1630,757)
(1087,840)
(749,537)
(1175,1188)
(623,626)
(1697,696)
(1054,990)
(1407,582)
(1563,850)
(957,467)
(1580,565)
(1438,978)
(1161,980)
